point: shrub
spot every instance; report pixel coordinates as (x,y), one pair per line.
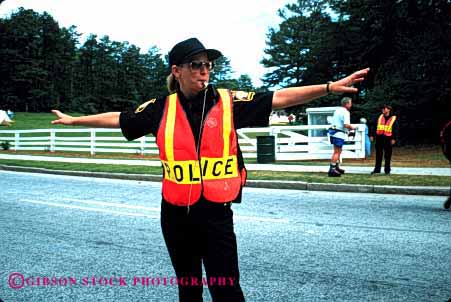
(5,145)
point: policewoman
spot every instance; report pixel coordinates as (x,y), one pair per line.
(385,133)
(203,170)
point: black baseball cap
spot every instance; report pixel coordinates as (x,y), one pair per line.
(184,50)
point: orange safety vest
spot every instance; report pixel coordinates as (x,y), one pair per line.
(385,127)
(214,173)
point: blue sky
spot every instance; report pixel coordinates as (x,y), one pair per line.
(237,28)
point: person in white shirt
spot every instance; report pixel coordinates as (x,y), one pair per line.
(337,133)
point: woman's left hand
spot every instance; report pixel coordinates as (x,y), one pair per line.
(345,85)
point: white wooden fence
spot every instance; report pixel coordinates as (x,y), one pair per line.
(291,142)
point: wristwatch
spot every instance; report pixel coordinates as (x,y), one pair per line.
(327,86)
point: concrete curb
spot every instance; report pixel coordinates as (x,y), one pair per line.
(351,188)
(268,184)
(342,188)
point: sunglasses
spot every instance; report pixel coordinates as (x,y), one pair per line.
(197,65)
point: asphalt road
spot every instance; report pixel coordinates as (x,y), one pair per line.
(95,240)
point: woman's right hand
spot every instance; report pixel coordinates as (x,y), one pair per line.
(63,119)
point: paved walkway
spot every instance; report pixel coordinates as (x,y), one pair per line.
(446,171)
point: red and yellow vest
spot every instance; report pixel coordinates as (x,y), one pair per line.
(214,173)
(385,127)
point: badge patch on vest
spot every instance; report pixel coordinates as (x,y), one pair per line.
(211,122)
(144,105)
(242,96)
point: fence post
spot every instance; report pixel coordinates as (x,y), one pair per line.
(52,140)
(16,141)
(362,151)
(143,144)
(275,131)
(93,141)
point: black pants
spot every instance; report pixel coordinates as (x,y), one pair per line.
(383,149)
(204,235)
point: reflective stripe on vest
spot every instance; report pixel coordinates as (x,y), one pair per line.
(217,176)
(385,127)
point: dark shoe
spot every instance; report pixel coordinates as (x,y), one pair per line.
(447,203)
(375,172)
(333,173)
(387,173)
(340,170)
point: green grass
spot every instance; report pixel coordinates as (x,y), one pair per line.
(362,179)
(83,167)
(77,154)
(27,121)
(398,180)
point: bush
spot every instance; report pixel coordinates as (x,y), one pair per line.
(5,145)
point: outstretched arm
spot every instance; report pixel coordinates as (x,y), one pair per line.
(292,96)
(103,120)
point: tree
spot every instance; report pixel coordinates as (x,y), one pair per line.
(245,83)
(85,96)
(32,60)
(295,51)
(44,67)
(300,51)
(222,72)
(64,79)
(403,42)
(156,71)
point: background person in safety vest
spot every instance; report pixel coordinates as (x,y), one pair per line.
(445,140)
(385,132)
(195,129)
